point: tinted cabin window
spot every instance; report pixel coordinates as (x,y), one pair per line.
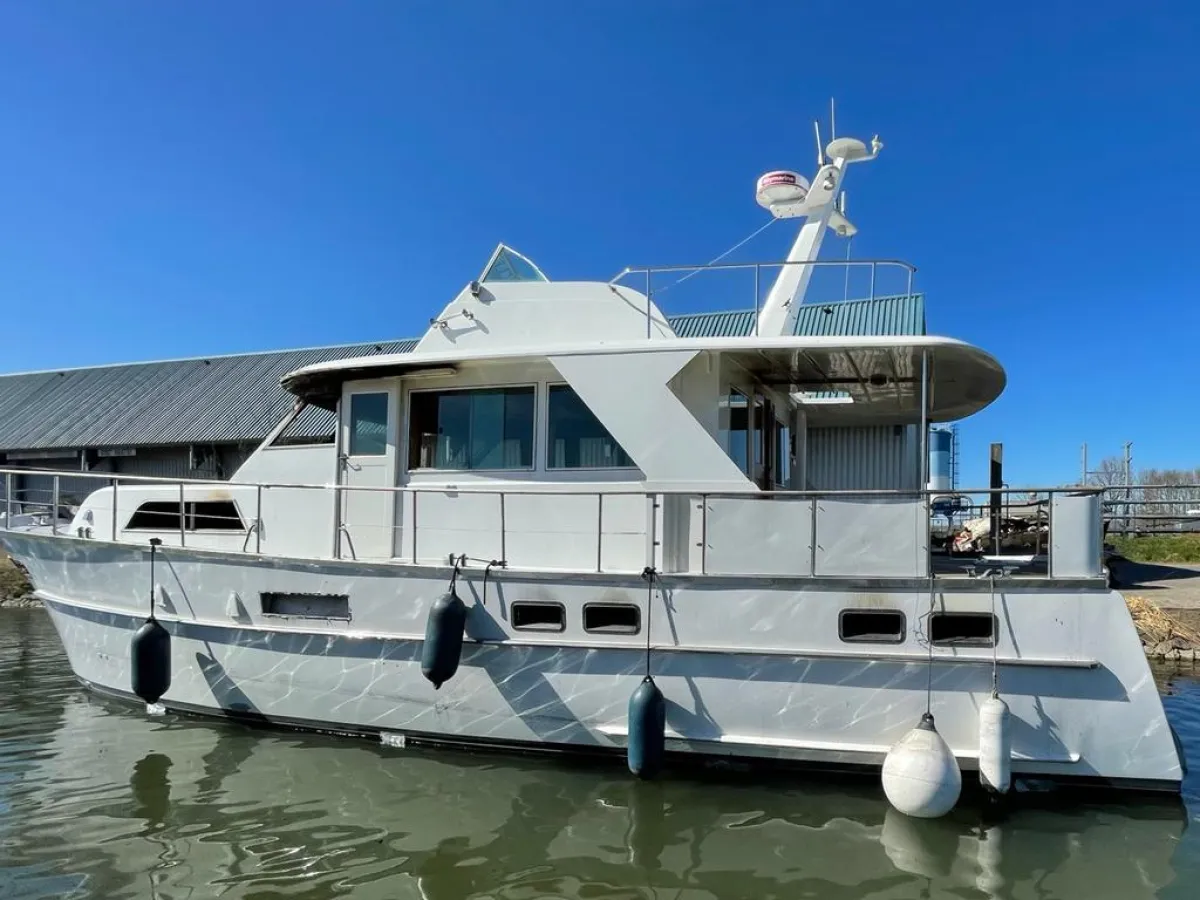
(156,516)
(577,439)
(202,515)
(871,626)
(969,629)
(214,516)
(491,428)
(735,428)
(611,618)
(368,424)
(528,615)
(311,425)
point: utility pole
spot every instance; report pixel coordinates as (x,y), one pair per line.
(1128,481)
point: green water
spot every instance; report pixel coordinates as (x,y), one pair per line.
(100,801)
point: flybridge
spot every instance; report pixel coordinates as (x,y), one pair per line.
(784,194)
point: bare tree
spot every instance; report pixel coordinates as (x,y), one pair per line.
(1110,473)
(1167,492)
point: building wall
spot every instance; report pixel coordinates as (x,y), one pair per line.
(218,462)
(863,458)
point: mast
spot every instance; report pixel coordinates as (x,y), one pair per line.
(789,195)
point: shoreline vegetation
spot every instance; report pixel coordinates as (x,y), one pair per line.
(1157,548)
(15,589)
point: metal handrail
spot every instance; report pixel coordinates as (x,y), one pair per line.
(873,264)
(652,498)
(637,270)
(552,487)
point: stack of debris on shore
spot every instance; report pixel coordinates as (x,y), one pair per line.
(1162,635)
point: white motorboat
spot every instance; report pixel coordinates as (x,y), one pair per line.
(554,500)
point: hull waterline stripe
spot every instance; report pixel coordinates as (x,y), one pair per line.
(871,750)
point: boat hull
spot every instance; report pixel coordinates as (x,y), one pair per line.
(751,668)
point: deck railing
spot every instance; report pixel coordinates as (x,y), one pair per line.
(833,534)
(644,277)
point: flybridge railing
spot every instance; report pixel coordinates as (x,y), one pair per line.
(647,273)
(846,533)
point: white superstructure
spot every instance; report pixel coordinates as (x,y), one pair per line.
(745,519)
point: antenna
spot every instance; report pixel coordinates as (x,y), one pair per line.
(832,121)
(820,146)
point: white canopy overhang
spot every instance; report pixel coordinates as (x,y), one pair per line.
(874,380)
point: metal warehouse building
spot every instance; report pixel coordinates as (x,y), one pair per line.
(201,418)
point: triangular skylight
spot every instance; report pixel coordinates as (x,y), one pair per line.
(507,264)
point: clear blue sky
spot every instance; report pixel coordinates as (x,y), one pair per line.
(185,179)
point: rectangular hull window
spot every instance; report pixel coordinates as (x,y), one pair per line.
(306,606)
(491,428)
(368,424)
(531,615)
(962,629)
(578,440)
(871,626)
(611,618)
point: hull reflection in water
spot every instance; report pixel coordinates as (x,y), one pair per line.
(113,804)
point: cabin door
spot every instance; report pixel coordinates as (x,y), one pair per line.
(367,459)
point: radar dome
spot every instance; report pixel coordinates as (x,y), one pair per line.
(781,187)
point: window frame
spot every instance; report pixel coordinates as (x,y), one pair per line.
(278,440)
(727,441)
(384,392)
(187,517)
(541,629)
(964,642)
(632,467)
(408,425)
(270,600)
(613,604)
(857,610)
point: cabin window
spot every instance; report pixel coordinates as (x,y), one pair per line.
(611,618)
(202,515)
(735,421)
(577,439)
(972,629)
(488,428)
(537,615)
(783,455)
(305,606)
(368,424)
(754,439)
(871,626)
(310,425)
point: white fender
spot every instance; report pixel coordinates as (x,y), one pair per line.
(920,774)
(995,745)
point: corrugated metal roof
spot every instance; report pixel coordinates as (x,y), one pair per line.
(717,324)
(228,399)
(219,399)
(881,316)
